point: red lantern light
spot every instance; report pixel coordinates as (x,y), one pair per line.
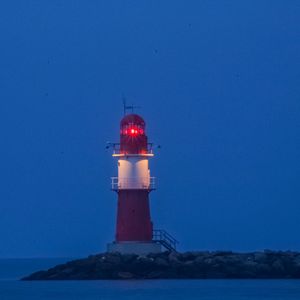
(133,130)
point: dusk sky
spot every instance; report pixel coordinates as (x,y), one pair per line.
(218,83)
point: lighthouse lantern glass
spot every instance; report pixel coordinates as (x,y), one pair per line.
(132,130)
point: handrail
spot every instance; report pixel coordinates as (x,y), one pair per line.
(117,150)
(164,232)
(144,183)
(165,239)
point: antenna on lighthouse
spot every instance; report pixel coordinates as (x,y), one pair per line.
(128,107)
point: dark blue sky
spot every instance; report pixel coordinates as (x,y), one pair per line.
(219,87)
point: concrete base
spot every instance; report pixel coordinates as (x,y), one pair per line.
(134,247)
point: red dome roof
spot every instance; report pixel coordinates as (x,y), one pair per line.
(133,119)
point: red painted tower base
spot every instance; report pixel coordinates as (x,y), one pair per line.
(133,217)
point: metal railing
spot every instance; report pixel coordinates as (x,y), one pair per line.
(144,183)
(117,151)
(165,239)
(122,153)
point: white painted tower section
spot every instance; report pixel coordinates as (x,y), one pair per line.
(133,173)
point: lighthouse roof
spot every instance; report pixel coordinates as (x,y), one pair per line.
(133,119)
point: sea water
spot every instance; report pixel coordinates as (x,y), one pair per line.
(11,288)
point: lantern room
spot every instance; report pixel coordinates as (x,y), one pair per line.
(133,139)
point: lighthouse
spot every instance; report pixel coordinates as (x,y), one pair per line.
(133,185)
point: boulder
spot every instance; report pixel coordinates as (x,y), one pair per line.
(161,262)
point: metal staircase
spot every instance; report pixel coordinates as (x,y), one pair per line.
(165,239)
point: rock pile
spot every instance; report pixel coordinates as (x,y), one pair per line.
(219,264)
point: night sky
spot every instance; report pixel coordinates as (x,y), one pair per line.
(218,83)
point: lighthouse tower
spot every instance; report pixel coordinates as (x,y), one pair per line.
(134,228)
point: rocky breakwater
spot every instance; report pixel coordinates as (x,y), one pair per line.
(219,264)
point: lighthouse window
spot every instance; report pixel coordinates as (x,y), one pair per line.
(132,130)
